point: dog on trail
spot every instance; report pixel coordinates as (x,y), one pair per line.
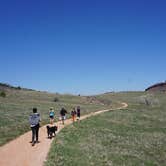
(51,130)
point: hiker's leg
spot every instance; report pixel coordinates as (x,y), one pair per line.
(62,120)
(52,120)
(37,132)
(78,116)
(33,135)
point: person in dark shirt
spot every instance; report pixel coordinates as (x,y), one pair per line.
(63,113)
(78,112)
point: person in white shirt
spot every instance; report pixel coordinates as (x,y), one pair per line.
(34,120)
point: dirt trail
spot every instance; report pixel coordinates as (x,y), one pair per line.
(19,152)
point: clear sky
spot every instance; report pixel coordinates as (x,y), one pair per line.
(83,46)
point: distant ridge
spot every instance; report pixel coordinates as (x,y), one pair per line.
(4,86)
(159,87)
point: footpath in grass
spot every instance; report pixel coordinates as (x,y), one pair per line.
(123,137)
(16,107)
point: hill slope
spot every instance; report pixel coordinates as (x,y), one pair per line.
(159,87)
(135,136)
(17,105)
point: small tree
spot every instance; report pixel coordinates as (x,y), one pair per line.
(56,99)
(19,88)
(2,94)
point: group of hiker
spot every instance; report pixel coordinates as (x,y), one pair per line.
(35,119)
(75,114)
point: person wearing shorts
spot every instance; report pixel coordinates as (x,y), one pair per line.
(73,115)
(51,115)
(63,113)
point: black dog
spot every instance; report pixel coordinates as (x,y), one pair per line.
(51,130)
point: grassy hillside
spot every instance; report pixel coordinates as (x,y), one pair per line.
(16,107)
(134,136)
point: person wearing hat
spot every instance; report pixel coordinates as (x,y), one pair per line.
(51,115)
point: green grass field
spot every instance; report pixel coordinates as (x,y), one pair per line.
(132,137)
(16,107)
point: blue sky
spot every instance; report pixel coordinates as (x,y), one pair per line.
(85,47)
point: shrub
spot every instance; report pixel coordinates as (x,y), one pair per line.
(148,100)
(56,99)
(19,88)
(2,94)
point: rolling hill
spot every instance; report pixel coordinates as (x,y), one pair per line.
(159,87)
(16,105)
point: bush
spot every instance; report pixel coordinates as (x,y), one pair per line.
(56,99)
(19,88)
(2,94)
(148,100)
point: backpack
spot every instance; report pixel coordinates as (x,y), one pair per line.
(51,113)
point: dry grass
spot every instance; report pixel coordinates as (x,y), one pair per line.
(135,136)
(16,107)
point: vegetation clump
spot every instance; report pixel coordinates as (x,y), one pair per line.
(148,100)
(56,99)
(19,88)
(2,94)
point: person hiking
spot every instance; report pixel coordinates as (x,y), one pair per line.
(51,114)
(63,113)
(73,115)
(78,112)
(34,120)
